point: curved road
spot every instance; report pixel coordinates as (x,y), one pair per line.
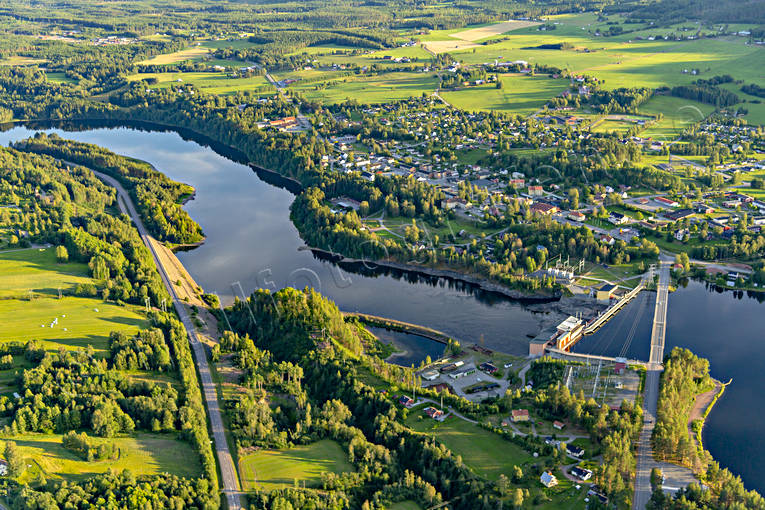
(225,461)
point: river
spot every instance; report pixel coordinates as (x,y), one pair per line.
(726,327)
(252,243)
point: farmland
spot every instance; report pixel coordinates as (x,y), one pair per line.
(81,321)
(373,89)
(519,94)
(213,82)
(142,453)
(274,469)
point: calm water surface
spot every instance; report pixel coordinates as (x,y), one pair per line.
(251,243)
(728,328)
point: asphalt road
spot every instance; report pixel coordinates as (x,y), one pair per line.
(645,461)
(225,461)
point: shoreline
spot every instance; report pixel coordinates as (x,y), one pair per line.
(295,187)
(480,283)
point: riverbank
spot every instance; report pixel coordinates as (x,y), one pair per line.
(295,187)
(479,283)
(406,327)
(701,409)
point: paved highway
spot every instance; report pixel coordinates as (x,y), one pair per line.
(645,460)
(225,461)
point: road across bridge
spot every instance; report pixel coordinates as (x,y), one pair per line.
(645,462)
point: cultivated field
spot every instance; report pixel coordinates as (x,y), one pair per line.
(193,53)
(374,89)
(476,34)
(211,82)
(450,46)
(519,94)
(142,453)
(277,469)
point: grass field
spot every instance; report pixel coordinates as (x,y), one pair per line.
(486,31)
(194,53)
(405,505)
(519,94)
(36,269)
(16,60)
(372,89)
(486,453)
(24,321)
(678,114)
(277,469)
(79,324)
(211,82)
(58,77)
(142,454)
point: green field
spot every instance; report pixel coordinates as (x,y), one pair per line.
(16,60)
(372,89)
(678,114)
(24,320)
(519,94)
(36,269)
(486,453)
(142,454)
(277,469)
(56,77)
(210,82)
(405,505)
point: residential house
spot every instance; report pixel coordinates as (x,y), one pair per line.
(434,413)
(577,216)
(518,415)
(574,451)
(581,473)
(548,479)
(406,401)
(559,425)
(617,218)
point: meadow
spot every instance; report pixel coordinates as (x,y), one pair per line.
(278,469)
(81,321)
(678,113)
(486,453)
(213,82)
(36,269)
(142,453)
(519,94)
(372,89)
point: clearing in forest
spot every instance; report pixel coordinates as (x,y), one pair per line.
(277,469)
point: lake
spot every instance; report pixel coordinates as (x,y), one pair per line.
(251,243)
